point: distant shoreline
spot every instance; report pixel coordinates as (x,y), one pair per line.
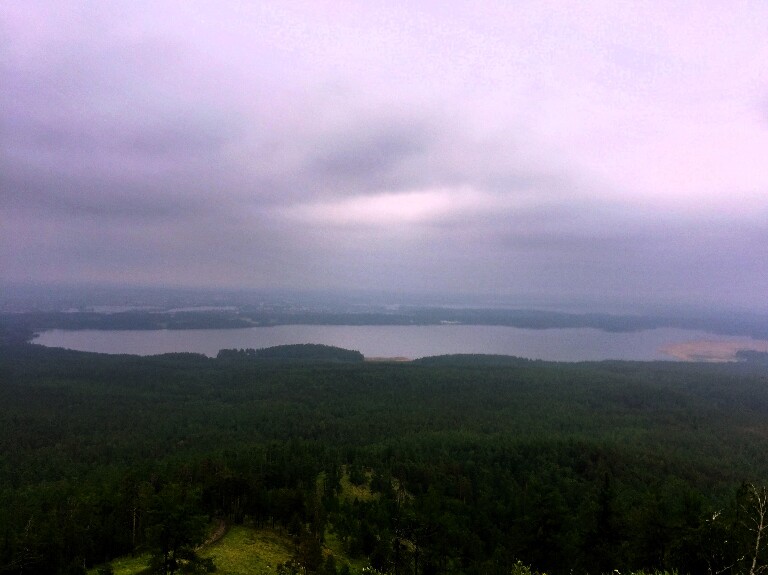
(713,351)
(223,317)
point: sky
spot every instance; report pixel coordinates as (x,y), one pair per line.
(588,149)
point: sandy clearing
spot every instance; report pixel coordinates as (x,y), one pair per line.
(712,351)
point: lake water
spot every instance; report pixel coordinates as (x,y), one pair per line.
(412,342)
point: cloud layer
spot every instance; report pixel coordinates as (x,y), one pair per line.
(601,149)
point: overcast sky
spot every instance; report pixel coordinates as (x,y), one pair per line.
(595,149)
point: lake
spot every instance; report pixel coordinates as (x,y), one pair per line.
(573,344)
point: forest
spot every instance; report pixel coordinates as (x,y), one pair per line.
(472,464)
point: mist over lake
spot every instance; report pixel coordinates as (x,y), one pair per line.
(574,344)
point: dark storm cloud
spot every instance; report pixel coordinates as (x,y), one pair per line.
(180,138)
(372,155)
(369,154)
(63,196)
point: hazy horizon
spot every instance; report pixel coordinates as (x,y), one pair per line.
(573,154)
(60,297)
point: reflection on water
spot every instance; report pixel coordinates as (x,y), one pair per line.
(393,341)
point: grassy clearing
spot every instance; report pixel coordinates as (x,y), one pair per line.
(335,547)
(350,491)
(244,550)
(127,565)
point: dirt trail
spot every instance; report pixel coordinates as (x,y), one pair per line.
(218,533)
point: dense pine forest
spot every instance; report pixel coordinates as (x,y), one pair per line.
(471,464)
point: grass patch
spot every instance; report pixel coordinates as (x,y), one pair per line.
(244,550)
(127,565)
(350,491)
(334,546)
